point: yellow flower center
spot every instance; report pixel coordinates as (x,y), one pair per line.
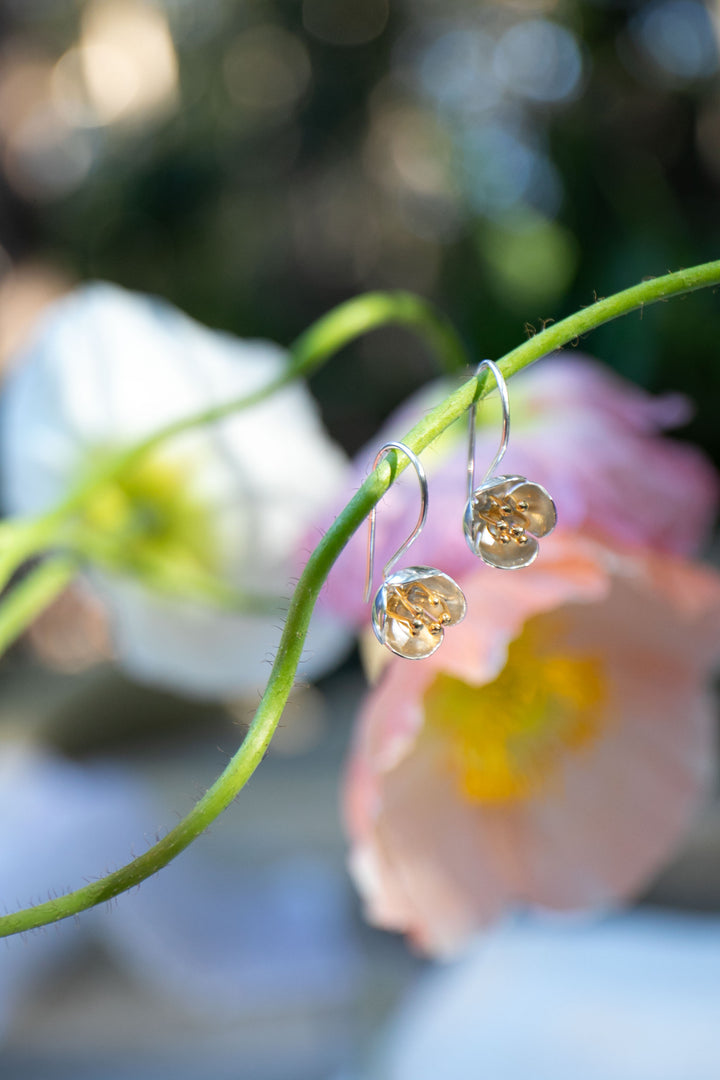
(504,741)
(149,514)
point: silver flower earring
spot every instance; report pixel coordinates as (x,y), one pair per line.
(413,607)
(506,515)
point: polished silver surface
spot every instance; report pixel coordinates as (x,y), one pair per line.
(422,479)
(413,608)
(504,519)
(505,435)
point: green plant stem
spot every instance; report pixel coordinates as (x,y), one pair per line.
(32,595)
(312,349)
(251,752)
(21,539)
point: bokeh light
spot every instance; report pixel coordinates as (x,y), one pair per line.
(540,60)
(678,37)
(456,70)
(257,163)
(268,70)
(352,22)
(128,61)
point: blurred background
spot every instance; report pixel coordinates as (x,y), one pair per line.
(256,163)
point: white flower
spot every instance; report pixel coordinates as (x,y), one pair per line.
(106,368)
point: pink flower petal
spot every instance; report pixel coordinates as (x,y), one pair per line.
(586,435)
(438,863)
(409,893)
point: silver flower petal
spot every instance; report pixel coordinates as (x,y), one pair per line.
(506,556)
(413,608)
(503,519)
(540,517)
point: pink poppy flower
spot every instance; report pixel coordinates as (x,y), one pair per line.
(586,435)
(551,753)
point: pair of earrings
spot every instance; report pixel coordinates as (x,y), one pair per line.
(503,520)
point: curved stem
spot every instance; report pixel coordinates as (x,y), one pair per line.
(251,752)
(21,539)
(309,352)
(32,595)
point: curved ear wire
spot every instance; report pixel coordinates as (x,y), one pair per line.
(415,461)
(504,438)
(413,607)
(506,515)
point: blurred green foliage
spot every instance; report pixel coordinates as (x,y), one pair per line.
(509,160)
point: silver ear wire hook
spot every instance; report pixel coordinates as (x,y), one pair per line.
(505,438)
(422,478)
(413,607)
(506,515)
